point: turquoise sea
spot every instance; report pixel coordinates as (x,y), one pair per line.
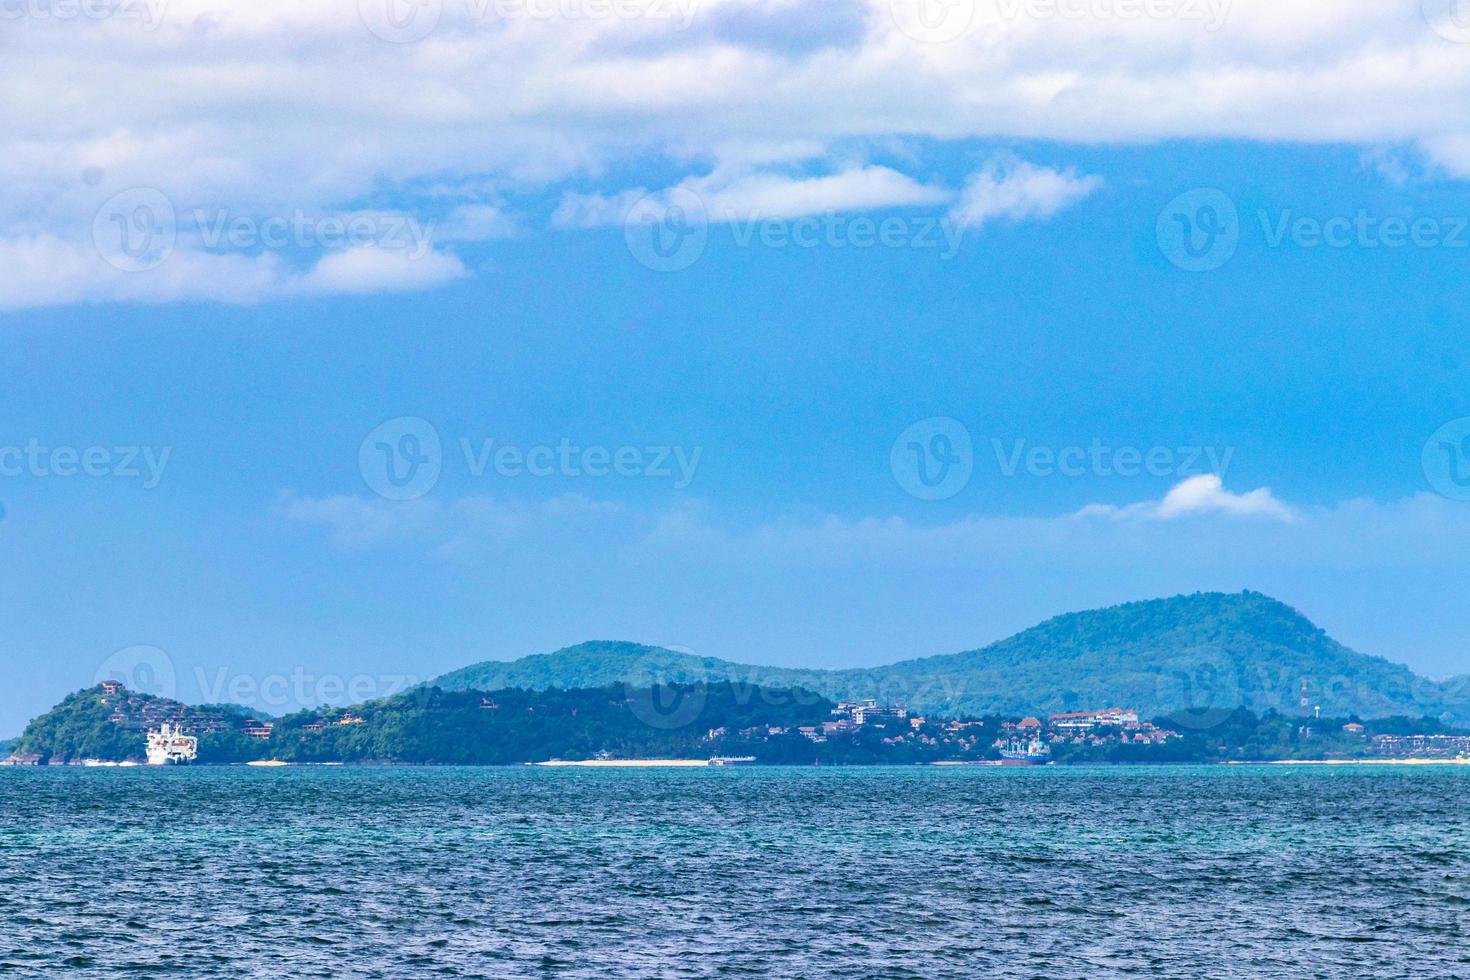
(864,872)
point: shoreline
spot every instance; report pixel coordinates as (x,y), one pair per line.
(628,763)
(707,763)
(1353,762)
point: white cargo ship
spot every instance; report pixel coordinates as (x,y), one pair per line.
(169,746)
(1032,753)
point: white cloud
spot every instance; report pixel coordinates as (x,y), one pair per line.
(1450,151)
(1004,188)
(1018,190)
(1205,494)
(731,194)
(44,270)
(763,195)
(379,270)
(265,106)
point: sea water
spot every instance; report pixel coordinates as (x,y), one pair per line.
(866,872)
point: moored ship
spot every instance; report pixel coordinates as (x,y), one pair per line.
(1032,753)
(169,746)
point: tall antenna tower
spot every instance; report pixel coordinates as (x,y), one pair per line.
(1304,707)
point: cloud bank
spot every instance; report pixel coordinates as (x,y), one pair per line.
(267,106)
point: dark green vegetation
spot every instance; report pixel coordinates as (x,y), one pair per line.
(513,726)
(1210,650)
(695,721)
(112,725)
(1225,671)
(437,727)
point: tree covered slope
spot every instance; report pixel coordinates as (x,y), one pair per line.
(112,725)
(1207,651)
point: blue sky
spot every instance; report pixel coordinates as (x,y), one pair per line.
(757,394)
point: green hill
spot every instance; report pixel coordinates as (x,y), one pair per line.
(515,725)
(431,726)
(1194,659)
(601,663)
(1209,651)
(112,724)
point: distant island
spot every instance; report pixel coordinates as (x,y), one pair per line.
(1212,649)
(1201,678)
(716,721)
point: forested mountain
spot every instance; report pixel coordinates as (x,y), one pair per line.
(1212,651)
(1190,661)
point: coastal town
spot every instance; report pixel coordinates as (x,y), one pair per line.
(974,739)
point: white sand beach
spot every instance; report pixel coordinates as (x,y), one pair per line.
(625,763)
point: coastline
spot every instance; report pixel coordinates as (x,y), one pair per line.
(707,764)
(1354,762)
(627,763)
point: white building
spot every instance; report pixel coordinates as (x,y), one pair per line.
(1087,720)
